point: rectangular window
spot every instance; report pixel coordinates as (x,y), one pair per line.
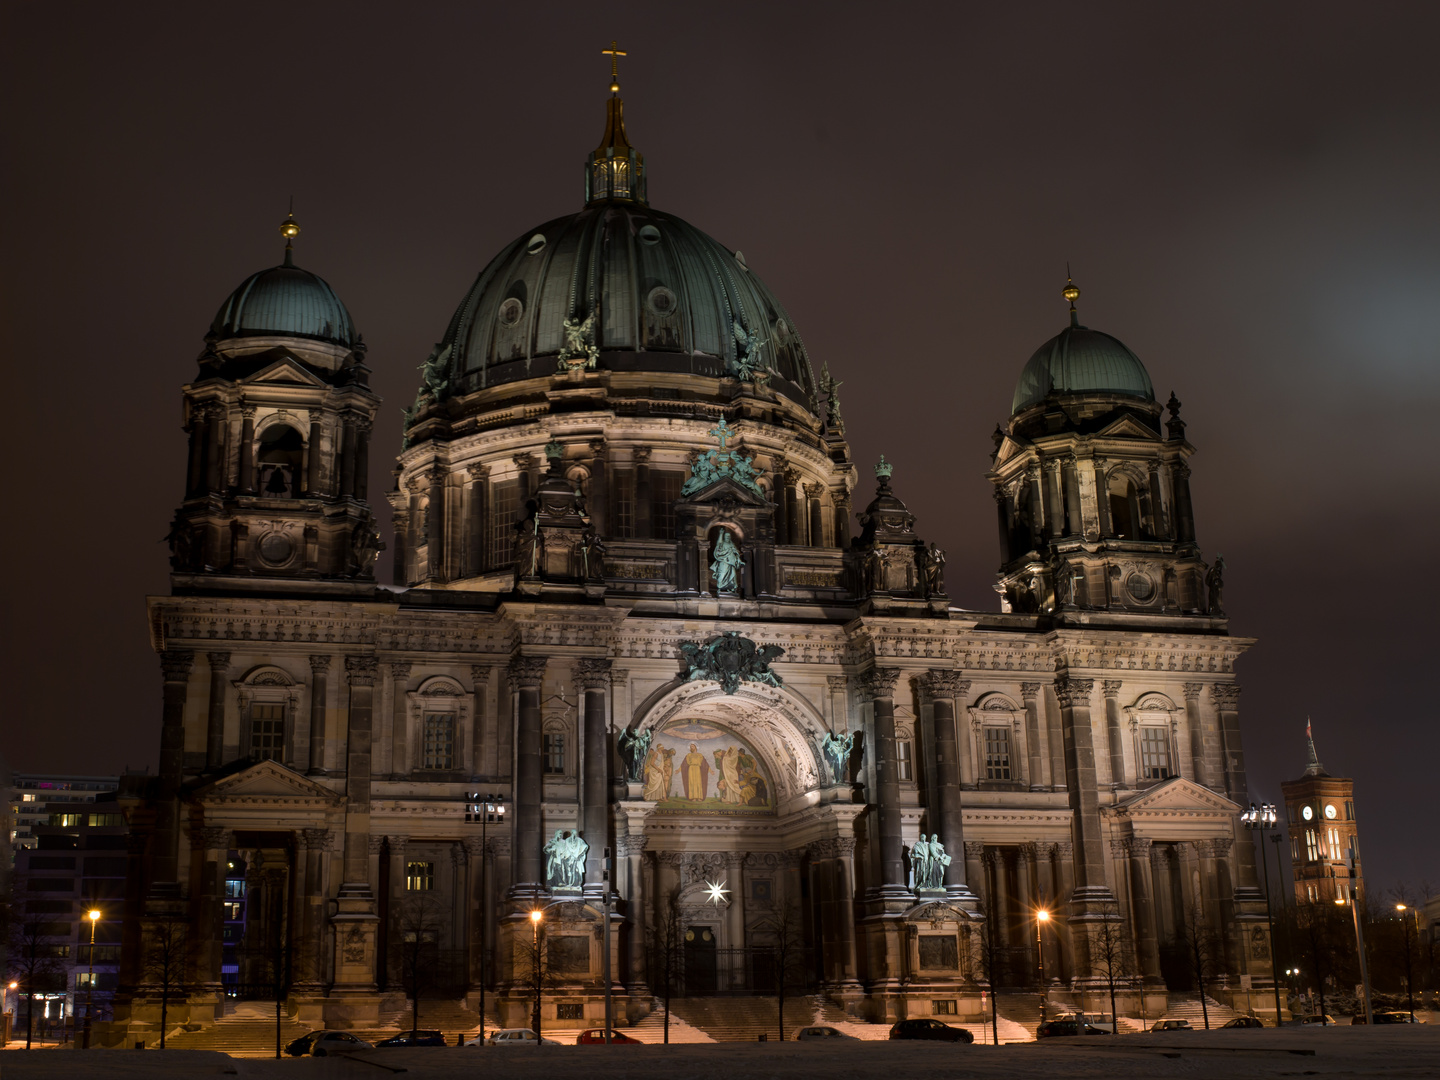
(267,731)
(1312,850)
(67,821)
(104,954)
(84,979)
(232,910)
(47,884)
(904,762)
(997,753)
(1335,844)
(555,752)
(52,862)
(439,741)
(622,504)
(504,511)
(48,929)
(664,493)
(419,876)
(1349,811)
(234,887)
(569,1010)
(50,907)
(945,1007)
(106,819)
(1155,753)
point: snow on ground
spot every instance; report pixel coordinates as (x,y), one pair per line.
(1395,1053)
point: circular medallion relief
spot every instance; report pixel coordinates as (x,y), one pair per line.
(510,312)
(1140,587)
(661,301)
(276,548)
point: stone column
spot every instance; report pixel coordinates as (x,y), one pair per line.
(362,458)
(1196,742)
(1111,689)
(637,897)
(312,450)
(459,899)
(215,718)
(845,905)
(526,674)
(842,521)
(1056,517)
(361,672)
(975,870)
(1070,482)
(215,453)
(175,665)
(944,687)
(642,492)
(1074,695)
(1102,498)
(212,849)
(1226,699)
(476,858)
(593,675)
(781,496)
(735,916)
(1184,512)
(879,686)
(812,502)
(347,457)
(312,846)
(319,703)
(1034,739)
(1035,497)
(1002,512)
(1025,895)
(795,525)
(476,559)
(247,450)
(400,763)
(597,499)
(1142,908)
(435,519)
(199,441)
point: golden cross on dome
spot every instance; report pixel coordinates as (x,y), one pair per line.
(614,54)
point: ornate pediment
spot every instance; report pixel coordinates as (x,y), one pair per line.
(287,371)
(1126,427)
(1179,794)
(263,782)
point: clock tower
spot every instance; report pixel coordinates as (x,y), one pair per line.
(1324,840)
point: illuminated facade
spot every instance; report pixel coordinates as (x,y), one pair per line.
(1324,833)
(633,597)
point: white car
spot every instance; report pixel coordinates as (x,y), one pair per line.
(511,1037)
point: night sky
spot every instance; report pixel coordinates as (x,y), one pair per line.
(1247,195)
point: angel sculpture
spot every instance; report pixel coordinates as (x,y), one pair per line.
(579,342)
(748,347)
(435,372)
(760,668)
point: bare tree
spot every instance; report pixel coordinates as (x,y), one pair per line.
(788,949)
(667,950)
(168,951)
(1111,954)
(1316,925)
(1202,951)
(34,964)
(419,922)
(992,958)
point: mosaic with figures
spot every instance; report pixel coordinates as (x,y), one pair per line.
(696,767)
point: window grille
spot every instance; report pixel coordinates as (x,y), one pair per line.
(419,876)
(1155,753)
(439,748)
(997,753)
(622,504)
(504,511)
(267,731)
(555,752)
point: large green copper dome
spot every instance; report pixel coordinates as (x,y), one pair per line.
(1079,360)
(285,301)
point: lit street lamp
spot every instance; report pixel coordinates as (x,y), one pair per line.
(1041,918)
(1258,821)
(94,916)
(483,807)
(1409,977)
(535,916)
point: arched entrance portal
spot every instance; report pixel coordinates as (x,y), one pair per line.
(747,874)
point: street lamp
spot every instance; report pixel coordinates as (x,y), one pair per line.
(535,916)
(1258,820)
(1409,977)
(94,916)
(1353,900)
(1041,918)
(483,807)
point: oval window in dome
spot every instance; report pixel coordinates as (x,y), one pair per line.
(649,234)
(661,301)
(535,244)
(782,330)
(510,312)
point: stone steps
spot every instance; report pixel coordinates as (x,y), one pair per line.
(1187,1007)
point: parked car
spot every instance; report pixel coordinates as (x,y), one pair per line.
(324,1043)
(1243,1021)
(512,1037)
(1070,1026)
(1318,1019)
(1171,1025)
(930,1029)
(415,1037)
(1388,1016)
(597,1035)
(807,1034)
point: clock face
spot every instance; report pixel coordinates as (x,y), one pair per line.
(1330,811)
(1307,813)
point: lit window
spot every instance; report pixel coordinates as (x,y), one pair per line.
(1312,849)
(67,821)
(85,979)
(267,731)
(439,741)
(234,887)
(997,753)
(555,752)
(419,876)
(945,1007)
(106,819)
(232,910)
(904,759)
(27,797)
(1155,753)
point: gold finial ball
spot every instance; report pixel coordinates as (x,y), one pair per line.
(614,86)
(1071,293)
(288,228)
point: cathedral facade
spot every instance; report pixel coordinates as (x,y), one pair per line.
(665,691)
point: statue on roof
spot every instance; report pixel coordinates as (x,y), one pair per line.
(749,348)
(580,350)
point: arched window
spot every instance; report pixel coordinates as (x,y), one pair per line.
(1125,518)
(278,461)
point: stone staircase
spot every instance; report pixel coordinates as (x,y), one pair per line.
(745,1019)
(248,1030)
(1187,1007)
(450,1017)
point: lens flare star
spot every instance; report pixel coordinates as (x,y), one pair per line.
(716,892)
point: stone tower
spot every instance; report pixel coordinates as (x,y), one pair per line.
(1324,834)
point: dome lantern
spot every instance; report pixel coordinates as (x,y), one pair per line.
(614,169)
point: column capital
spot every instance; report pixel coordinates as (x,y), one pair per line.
(940,683)
(219,661)
(1139,846)
(1110,688)
(640,454)
(1219,847)
(1193,689)
(837,683)
(879,682)
(397,844)
(619,676)
(814,490)
(632,844)
(175,664)
(400,669)
(1118,847)
(734,860)
(361,669)
(597,447)
(592,673)
(1064,849)
(474,846)
(527,670)
(318,839)
(375,844)
(974,849)
(1072,692)
(480,673)
(523,459)
(211,838)
(1225,695)
(1029,690)
(319,663)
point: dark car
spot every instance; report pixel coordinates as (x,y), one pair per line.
(1052,1028)
(822,1031)
(1243,1021)
(930,1029)
(1389,1016)
(324,1043)
(416,1037)
(597,1035)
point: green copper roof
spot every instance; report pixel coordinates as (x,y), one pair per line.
(285,301)
(1079,360)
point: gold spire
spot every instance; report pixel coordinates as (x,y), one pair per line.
(289,229)
(1072,294)
(614,54)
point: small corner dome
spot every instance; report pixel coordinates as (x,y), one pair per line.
(1079,360)
(285,301)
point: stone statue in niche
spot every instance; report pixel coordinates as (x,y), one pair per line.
(182,545)
(592,555)
(634,747)
(1215,583)
(565,860)
(836,749)
(932,570)
(365,547)
(726,567)
(927,864)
